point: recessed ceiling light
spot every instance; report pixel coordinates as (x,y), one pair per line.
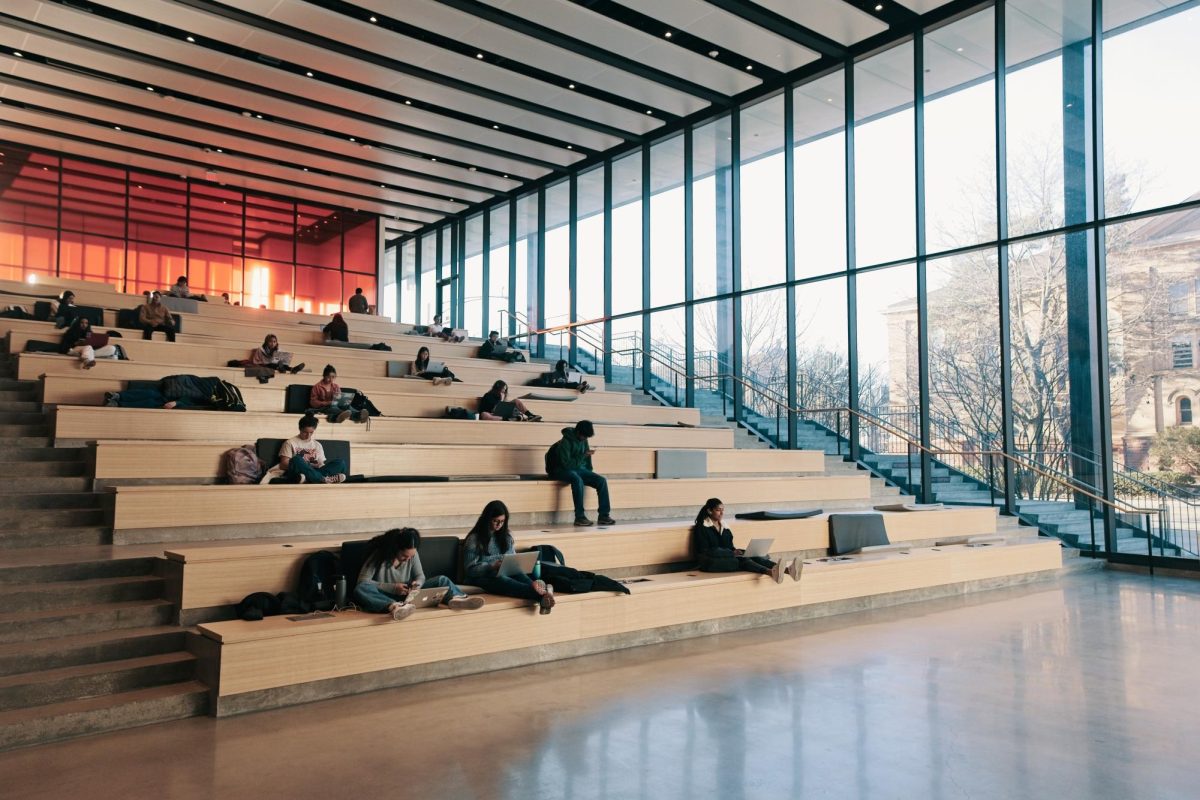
(570,86)
(258,115)
(309,74)
(139,186)
(749,67)
(352,138)
(479,55)
(116,127)
(473,169)
(305,169)
(432,158)
(219,150)
(496,127)
(958,49)
(149,88)
(714,53)
(408,102)
(191,39)
(374,20)
(18,54)
(382,186)
(668,34)
(569,147)
(828,99)
(504,176)
(879,7)
(648,111)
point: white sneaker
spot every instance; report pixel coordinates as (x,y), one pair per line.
(465,602)
(777,572)
(403,611)
(795,568)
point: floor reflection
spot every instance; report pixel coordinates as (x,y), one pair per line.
(1079,688)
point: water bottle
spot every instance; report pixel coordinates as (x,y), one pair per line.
(537,570)
(339,591)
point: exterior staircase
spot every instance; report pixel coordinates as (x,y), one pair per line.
(87,642)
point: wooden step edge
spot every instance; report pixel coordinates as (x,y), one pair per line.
(46,676)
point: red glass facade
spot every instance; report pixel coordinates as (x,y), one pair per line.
(139,231)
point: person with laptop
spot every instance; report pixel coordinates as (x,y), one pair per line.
(327,399)
(495,405)
(563,377)
(489,557)
(570,460)
(392,578)
(302,458)
(439,330)
(435,371)
(712,544)
(497,350)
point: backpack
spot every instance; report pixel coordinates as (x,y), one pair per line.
(380,346)
(241,465)
(553,462)
(318,580)
(458,412)
(227,397)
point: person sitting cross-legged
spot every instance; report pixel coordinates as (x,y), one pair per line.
(325,400)
(570,460)
(302,458)
(393,571)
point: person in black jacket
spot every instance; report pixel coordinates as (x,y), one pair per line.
(497,395)
(712,544)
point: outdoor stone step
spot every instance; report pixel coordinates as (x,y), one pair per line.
(45,596)
(40,724)
(44,687)
(24,626)
(89,648)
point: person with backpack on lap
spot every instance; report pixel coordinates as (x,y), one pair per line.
(712,545)
(570,460)
(393,570)
(485,548)
(303,459)
(322,400)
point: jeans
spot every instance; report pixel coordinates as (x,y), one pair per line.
(578,478)
(298,466)
(331,412)
(148,331)
(518,586)
(371,598)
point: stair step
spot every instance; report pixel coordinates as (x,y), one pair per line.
(21,407)
(57,595)
(62,535)
(13,385)
(21,626)
(39,724)
(50,500)
(48,469)
(87,648)
(44,484)
(44,687)
(8,441)
(59,570)
(41,429)
(43,452)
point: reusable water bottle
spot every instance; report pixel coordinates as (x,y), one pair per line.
(537,570)
(339,591)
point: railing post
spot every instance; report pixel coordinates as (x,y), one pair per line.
(991,479)
(1149,544)
(1092,521)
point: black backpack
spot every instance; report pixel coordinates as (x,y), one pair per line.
(318,580)
(227,397)
(553,462)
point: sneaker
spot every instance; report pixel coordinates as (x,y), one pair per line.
(546,601)
(464,602)
(342,417)
(795,568)
(606,520)
(777,572)
(403,611)
(89,364)
(339,478)
(362,416)
(111,399)
(442,381)
(533,418)
(298,368)
(582,522)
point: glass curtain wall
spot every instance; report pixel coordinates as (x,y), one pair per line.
(473,266)
(498,264)
(1014,266)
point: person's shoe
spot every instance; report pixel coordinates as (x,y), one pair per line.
(298,368)
(585,387)
(583,522)
(89,364)
(546,601)
(111,399)
(339,478)
(362,415)
(299,478)
(441,381)
(403,611)
(464,602)
(606,520)
(342,417)
(795,568)
(777,572)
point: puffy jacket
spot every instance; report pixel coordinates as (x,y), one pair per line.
(570,452)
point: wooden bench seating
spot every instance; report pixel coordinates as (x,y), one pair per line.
(90,423)
(196,462)
(85,388)
(250,659)
(31,366)
(221,574)
(359,506)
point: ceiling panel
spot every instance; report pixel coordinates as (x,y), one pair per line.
(834,19)
(728,31)
(582,24)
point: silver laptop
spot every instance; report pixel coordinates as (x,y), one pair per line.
(344,399)
(435,366)
(424,598)
(758,548)
(574,377)
(515,564)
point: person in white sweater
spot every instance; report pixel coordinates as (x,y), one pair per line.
(393,570)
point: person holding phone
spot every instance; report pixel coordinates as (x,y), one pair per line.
(570,460)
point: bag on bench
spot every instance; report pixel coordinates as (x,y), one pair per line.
(318,580)
(241,465)
(227,397)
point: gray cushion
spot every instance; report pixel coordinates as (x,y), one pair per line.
(681,464)
(853,531)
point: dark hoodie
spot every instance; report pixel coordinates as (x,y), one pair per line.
(571,451)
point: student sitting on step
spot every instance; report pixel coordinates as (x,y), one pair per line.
(420,368)
(324,400)
(485,548)
(560,379)
(80,340)
(336,330)
(302,459)
(269,355)
(712,545)
(489,406)
(154,316)
(570,460)
(66,312)
(497,350)
(439,330)
(393,571)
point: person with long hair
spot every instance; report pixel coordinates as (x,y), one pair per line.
(269,355)
(712,545)
(393,571)
(485,548)
(420,368)
(560,379)
(80,340)
(66,312)
(495,396)
(324,397)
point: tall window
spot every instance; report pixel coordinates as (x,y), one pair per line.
(666,222)
(473,299)
(819,122)
(627,234)
(498,263)
(1183,411)
(712,209)
(589,257)
(762,194)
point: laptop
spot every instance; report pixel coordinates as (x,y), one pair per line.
(574,377)
(505,409)
(499,348)
(435,366)
(344,399)
(424,598)
(758,548)
(515,564)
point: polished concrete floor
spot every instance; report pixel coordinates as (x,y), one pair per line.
(1082,688)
